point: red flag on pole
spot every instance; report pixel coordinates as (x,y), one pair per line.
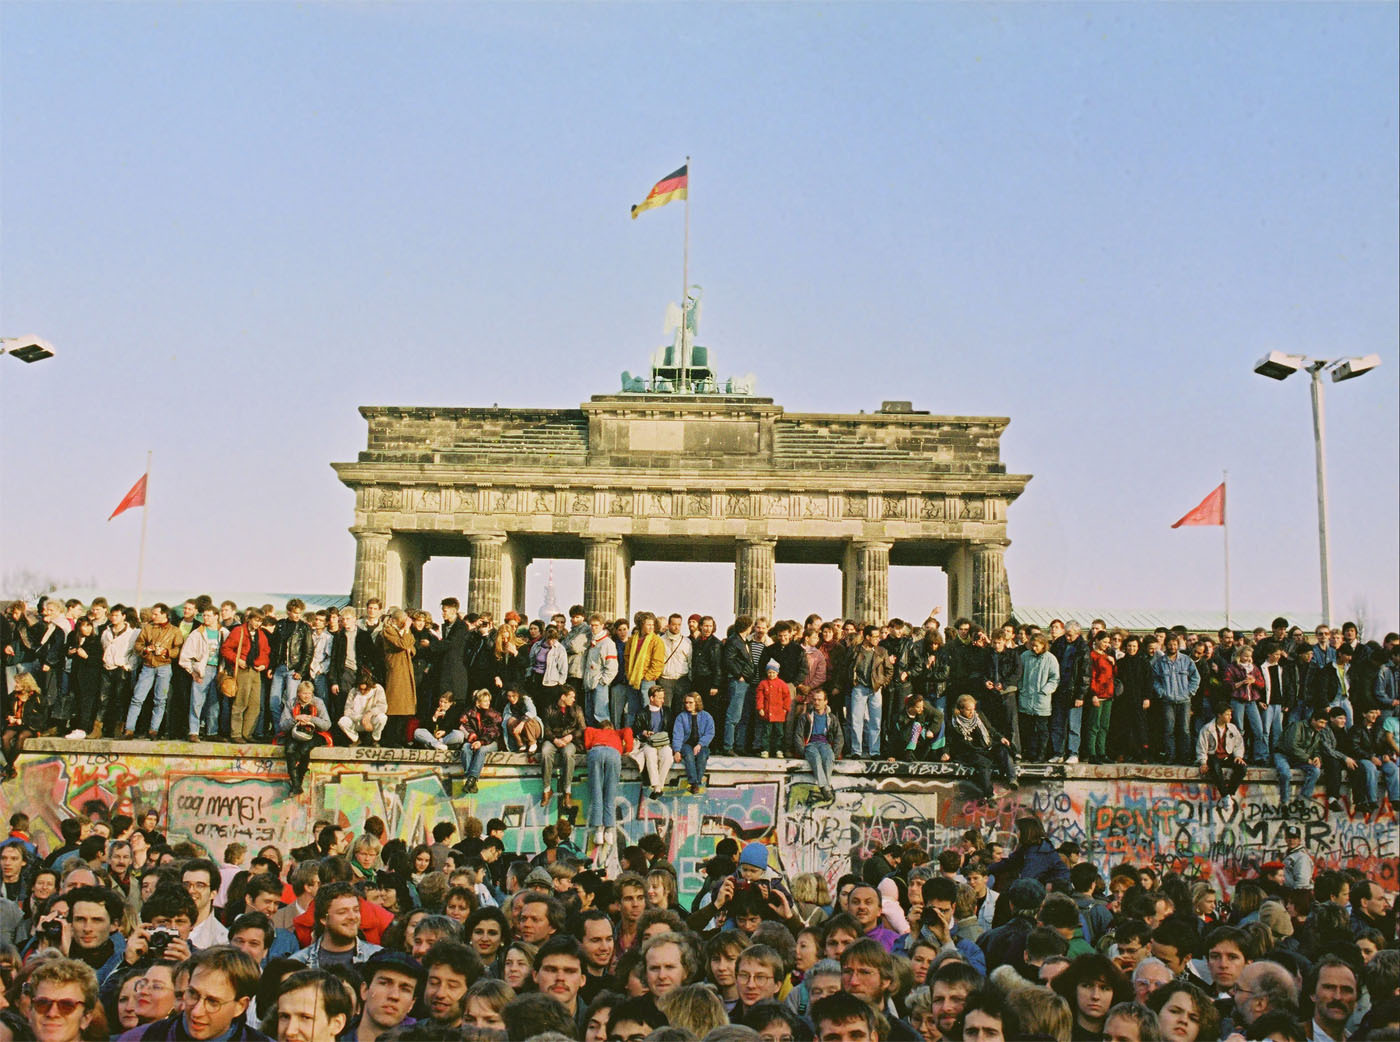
(1210,511)
(135,498)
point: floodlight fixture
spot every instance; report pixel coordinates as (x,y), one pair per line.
(27,348)
(1351,368)
(1277,365)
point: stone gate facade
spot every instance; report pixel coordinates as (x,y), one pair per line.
(636,477)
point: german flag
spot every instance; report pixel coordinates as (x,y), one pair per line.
(671,187)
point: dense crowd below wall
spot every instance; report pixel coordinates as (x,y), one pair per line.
(671,693)
(113,931)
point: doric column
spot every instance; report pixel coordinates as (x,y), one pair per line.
(991,594)
(755,589)
(371,575)
(602,567)
(484,586)
(870,592)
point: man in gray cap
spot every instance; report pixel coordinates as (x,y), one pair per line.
(1297,862)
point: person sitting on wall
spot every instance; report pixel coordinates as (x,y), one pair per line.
(975,743)
(560,743)
(691,734)
(1220,754)
(305,723)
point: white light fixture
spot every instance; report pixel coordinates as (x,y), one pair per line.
(1351,368)
(27,348)
(1277,365)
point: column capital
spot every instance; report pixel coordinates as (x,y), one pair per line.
(758,541)
(872,544)
(361,532)
(487,539)
(603,540)
(984,545)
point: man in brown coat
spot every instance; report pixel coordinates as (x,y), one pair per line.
(397,646)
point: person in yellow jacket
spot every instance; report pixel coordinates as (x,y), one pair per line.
(646,656)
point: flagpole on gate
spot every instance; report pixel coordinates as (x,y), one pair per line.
(1225,529)
(685,283)
(141,559)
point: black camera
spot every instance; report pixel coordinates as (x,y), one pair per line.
(52,931)
(159,939)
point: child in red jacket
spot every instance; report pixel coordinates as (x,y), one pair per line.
(772,702)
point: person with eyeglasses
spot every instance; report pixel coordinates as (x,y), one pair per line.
(222,982)
(200,879)
(155,991)
(63,1001)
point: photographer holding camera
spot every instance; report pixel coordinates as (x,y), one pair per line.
(166,919)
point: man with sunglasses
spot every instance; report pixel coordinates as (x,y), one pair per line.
(62,1000)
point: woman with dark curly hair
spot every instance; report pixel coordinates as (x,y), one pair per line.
(1185,1013)
(1092,985)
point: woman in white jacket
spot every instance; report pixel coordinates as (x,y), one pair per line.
(366,710)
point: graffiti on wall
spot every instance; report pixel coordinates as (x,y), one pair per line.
(412,798)
(1157,817)
(1172,824)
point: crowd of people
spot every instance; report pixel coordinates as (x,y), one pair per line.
(116,932)
(670,692)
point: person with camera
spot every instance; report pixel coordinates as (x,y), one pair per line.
(213,1004)
(167,917)
(305,723)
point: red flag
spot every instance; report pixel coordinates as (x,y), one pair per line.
(1210,511)
(135,498)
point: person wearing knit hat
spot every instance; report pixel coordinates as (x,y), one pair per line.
(1275,916)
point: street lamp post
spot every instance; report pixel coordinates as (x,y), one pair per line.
(1280,366)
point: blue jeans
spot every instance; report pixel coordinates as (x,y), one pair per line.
(1176,739)
(282,681)
(1076,723)
(1251,725)
(1285,778)
(323,688)
(474,759)
(626,703)
(159,676)
(820,757)
(599,703)
(695,763)
(604,776)
(1371,777)
(865,722)
(204,702)
(1271,723)
(738,717)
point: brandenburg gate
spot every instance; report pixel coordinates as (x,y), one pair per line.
(647,476)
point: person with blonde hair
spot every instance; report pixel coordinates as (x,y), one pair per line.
(1041,1013)
(63,1001)
(811,895)
(694,1007)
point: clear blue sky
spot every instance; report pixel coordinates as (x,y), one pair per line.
(239,222)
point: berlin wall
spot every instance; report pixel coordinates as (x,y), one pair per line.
(1161,816)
